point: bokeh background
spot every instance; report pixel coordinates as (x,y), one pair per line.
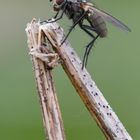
(114,64)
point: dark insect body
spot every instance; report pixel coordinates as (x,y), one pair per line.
(79,11)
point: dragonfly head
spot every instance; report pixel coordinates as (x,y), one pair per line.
(57,4)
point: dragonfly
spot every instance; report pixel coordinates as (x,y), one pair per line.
(79,11)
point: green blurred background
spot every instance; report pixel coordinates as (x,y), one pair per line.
(114,64)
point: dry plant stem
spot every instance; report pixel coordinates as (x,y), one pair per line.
(92,97)
(48,100)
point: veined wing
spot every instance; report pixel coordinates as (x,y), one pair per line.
(109,18)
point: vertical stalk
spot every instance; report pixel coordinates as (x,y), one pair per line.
(51,114)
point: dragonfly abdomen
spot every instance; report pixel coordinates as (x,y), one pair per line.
(98,23)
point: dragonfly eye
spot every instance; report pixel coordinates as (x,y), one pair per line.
(59,2)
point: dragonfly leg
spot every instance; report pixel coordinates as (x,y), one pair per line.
(88,48)
(86,28)
(56,18)
(72,27)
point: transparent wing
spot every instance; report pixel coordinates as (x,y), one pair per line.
(109,18)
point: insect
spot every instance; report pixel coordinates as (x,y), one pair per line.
(80,10)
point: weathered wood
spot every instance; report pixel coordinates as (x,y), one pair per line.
(92,97)
(51,114)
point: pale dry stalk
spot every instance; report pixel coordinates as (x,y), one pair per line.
(92,97)
(52,120)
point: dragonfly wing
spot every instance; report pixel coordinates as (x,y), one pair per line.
(109,18)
